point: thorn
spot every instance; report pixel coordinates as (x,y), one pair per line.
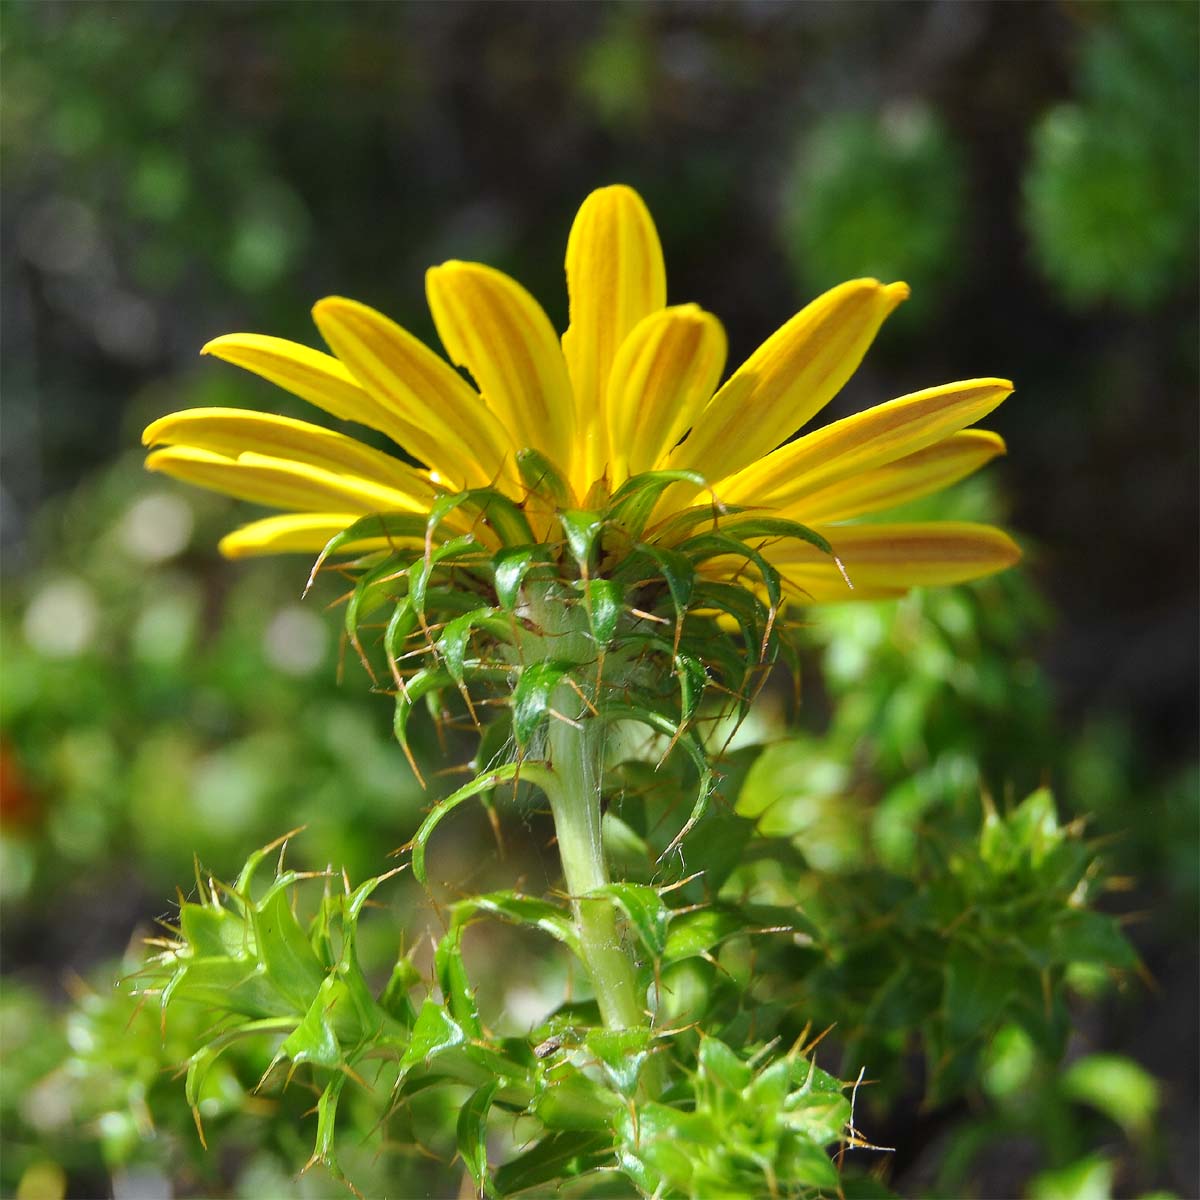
(199,1126)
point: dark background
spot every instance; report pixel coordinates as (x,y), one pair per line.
(176,171)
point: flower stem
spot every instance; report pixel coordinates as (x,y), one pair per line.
(575,754)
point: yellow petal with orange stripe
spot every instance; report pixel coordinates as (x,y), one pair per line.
(919,554)
(233,431)
(863,441)
(788,379)
(664,373)
(498,331)
(280,483)
(310,374)
(441,419)
(293,533)
(920,474)
(615,278)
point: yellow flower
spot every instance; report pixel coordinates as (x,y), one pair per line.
(632,387)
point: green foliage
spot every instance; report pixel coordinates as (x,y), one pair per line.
(876,195)
(1113,186)
(248,974)
(150,714)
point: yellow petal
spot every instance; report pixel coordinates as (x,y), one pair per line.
(663,375)
(788,379)
(920,474)
(921,554)
(291,533)
(615,278)
(280,483)
(823,587)
(863,441)
(440,417)
(498,331)
(802,585)
(232,431)
(313,376)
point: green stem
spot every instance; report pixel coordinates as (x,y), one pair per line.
(575,754)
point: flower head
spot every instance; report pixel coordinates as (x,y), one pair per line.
(625,418)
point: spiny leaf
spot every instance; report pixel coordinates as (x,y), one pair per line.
(284,949)
(709,545)
(646,911)
(634,501)
(494,508)
(692,746)
(451,973)
(430,679)
(531,772)
(776,527)
(541,476)
(471,1133)
(531,698)
(510,566)
(373,589)
(605,601)
(421,571)
(402,528)
(581,528)
(564,1155)
(675,569)
(326,1126)
(622,1053)
(519,910)
(451,646)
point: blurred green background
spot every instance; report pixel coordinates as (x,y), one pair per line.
(175,171)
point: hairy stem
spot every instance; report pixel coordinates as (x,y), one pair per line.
(575,754)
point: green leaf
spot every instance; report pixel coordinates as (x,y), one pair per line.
(327,1107)
(693,679)
(605,602)
(373,589)
(531,698)
(978,991)
(315,1040)
(634,501)
(694,933)
(1088,937)
(451,973)
(527,771)
(622,1053)
(1086,1179)
(375,526)
(509,568)
(691,745)
(649,562)
(493,507)
(421,571)
(576,1102)
(720,1064)
(519,910)
(560,1156)
(400,627)
(284,949)
(648,915)
(711,545)
(435,1032)
(471,1132)
(776,527)
(581,528)
(430,679)
(394,999)
(452,645)
(541,476)
(1118,1087)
